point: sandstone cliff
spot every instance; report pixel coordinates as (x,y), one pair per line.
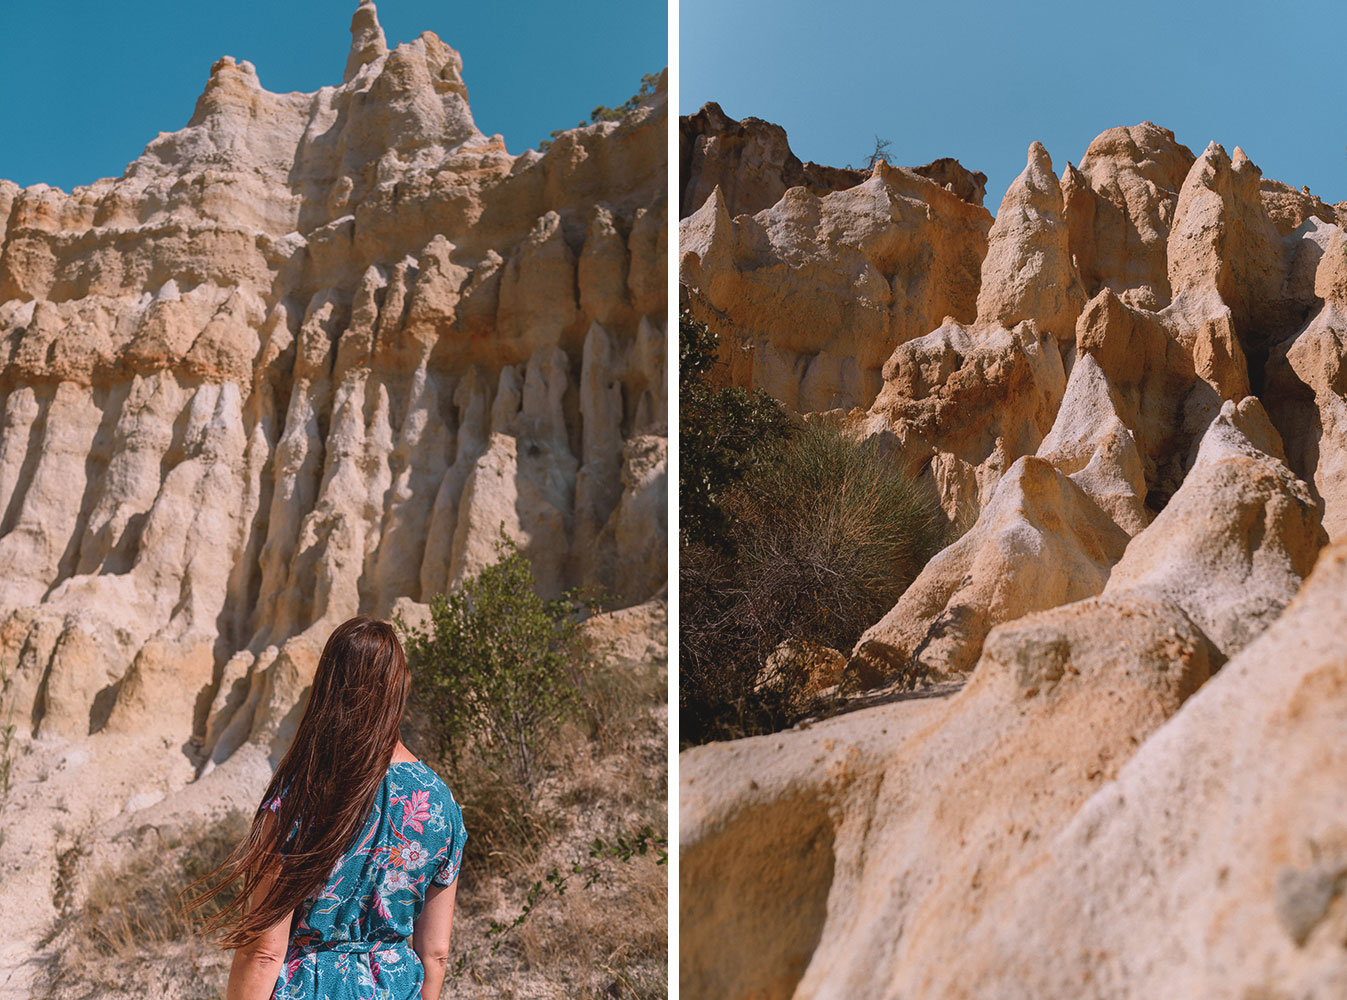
(1133,396)
(303,360)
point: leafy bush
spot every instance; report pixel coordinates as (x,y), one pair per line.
(495,669)
(721,431)
(825,533)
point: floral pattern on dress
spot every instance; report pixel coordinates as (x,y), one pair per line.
(350,940)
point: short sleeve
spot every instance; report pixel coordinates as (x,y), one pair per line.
(447,873)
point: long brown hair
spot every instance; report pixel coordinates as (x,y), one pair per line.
(326,782)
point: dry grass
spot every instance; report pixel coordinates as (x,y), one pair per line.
(606,936)
(132,918)
(608,777)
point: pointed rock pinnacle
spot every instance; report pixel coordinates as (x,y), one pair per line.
(367,39)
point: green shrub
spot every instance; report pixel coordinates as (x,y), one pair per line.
(720,433)
(825,534)
(829,533)
(603,113)
(495,672)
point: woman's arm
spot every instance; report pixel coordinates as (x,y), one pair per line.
(257,965)
(430,936)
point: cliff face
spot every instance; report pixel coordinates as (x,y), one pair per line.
(1136,403)
(813,275)
(303,360)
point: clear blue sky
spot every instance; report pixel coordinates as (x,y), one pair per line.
(980,80)
(86,84)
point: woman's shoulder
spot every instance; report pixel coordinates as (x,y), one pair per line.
(420,776)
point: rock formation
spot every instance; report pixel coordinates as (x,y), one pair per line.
(1138,419)
(306,359)
(812,295)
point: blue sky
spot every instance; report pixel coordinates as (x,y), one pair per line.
(86,84)
(980,80)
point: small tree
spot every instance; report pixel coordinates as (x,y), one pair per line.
(823,534)
(881,152)
(495,669)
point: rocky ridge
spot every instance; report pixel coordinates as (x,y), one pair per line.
(1132,399)
(305,359)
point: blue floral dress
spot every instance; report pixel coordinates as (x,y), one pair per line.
(350,941)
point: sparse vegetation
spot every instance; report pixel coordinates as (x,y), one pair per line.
(133,913)
(603,113)
(809,535)
(722,433)
(576,904)
(589,868)
(6,733)
(880,152)
(496,670)
(539,815)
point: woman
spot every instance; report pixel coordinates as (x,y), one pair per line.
(371,851)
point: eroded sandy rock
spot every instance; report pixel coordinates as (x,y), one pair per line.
(1289,207)
(1307,391)
(907,824)
(1234,543)
(302,361)
(1040,542)
(1028,273)
(961,405)
(1226,827)
(839,853)
(749,160)
(811,296)
(1120,207)
(1137,686)
(1223,239)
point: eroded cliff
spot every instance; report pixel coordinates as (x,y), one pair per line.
(1132,397)
(305,359)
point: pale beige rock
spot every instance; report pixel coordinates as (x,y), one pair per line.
(1040,542)
(913,824)
(367,40)
(1234,543)
(1222,239)
(799,672)
(635,635)
(1290,207)
(960,406)
(1138,526)
(811,296)
(637,525)
(826,854)
(1091,442)
(1307,391)
(1167,373)
(1028,273)
(1226,828)
(750,161)
(1120,207)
